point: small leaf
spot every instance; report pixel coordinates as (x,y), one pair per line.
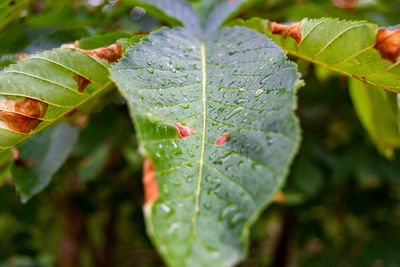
(209,195)
(379,113)
(173,12)
(40,158)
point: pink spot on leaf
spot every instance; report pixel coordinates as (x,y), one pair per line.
(220,141)
(184,131)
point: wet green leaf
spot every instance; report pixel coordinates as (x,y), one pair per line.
(210,194)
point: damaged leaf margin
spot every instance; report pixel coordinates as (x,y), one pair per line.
(67,79)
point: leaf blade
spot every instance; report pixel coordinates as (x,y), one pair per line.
(379,113)
(41,157)
(346,47)
(44,87)
(185,84)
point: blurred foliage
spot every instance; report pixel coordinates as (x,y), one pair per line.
(340,206)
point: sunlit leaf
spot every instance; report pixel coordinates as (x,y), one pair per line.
(44,87)
(346,47)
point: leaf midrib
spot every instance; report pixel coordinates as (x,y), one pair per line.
(201,161)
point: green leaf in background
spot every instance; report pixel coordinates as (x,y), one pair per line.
(378,111)
(5,165)
(7,60)
(211,187)
(40,157)
(304,182)
(212,13)
(9,9)
(96,41)
(173,12)
(346,47)
(45,87)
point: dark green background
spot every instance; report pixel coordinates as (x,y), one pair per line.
(342,198)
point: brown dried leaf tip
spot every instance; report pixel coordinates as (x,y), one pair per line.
(109,53)
(220,141)
(184,131)
(22,115)
(293,30)
(149,181)
(388,44)
(82,82)
(346,4)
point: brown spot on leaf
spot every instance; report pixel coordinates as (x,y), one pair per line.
(110,53)
(17,122)
(220,141)
(22,56)
(346,4)
(387,42)
(22,115)
(149,181)
(184,131)
(82,82)
(30,107)
(293,30)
